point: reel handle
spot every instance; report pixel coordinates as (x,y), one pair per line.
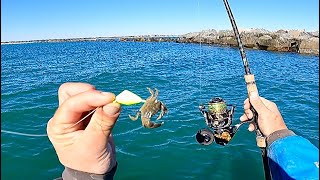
(252,87)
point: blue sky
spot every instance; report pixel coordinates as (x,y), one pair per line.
(49,19)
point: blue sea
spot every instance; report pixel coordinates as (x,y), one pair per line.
(185,74)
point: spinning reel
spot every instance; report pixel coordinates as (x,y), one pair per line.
(219,118)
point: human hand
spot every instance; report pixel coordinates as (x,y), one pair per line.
(269,117)
(87,146)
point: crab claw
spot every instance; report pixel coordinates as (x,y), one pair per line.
(164,110)
(151,124)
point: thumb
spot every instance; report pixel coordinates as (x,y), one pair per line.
(256,102)
(100,126)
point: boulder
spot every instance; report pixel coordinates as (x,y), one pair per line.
(264,40)
(309,46)
(225,33)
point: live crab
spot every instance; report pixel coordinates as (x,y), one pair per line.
(151,107)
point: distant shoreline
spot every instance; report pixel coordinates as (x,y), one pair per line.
(281,40)
(19,42)
(114,38)
(61,40)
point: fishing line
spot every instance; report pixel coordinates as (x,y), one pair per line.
(83,118)
(23,134)
(42,135)
(125,97)
(200,51)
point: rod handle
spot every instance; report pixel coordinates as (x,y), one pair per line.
(251,84)
(252,87)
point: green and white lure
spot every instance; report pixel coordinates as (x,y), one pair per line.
(128,98)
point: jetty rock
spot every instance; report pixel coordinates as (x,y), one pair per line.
(281,40)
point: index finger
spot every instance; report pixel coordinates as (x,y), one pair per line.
(72,109)
(66,90)
(246,104)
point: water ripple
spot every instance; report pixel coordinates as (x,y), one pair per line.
(32,73)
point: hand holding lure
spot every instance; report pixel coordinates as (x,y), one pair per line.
(125,98)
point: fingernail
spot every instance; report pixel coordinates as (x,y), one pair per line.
(112,109)
(250,128)
(245,101)
(107,93)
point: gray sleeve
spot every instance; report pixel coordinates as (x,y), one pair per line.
(71,174)
(278,135)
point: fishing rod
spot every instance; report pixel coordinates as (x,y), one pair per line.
(251,87)
(218,114)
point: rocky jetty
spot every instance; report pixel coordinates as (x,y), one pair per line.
(151,38)
(298,41)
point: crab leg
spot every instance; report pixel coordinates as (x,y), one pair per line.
(150,124)
(156,93)
(136,117)
(151,91)
(163,110)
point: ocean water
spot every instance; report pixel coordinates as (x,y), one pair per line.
(186,76)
